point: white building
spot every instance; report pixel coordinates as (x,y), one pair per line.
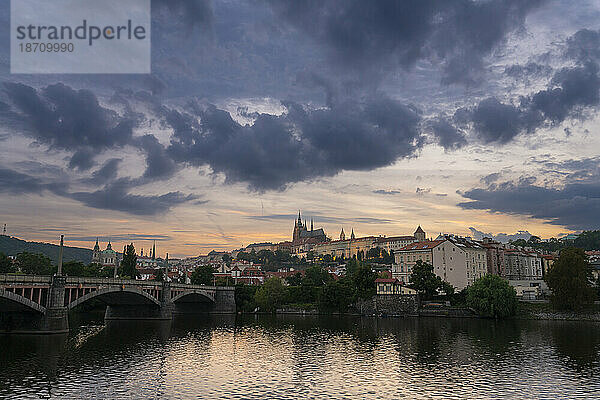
(457,261)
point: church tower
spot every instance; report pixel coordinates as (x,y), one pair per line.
(419,234)
(96,253)
(352,237)
(298,227)
(342,235)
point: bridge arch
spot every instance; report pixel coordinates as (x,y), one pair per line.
(10,301)
(194,295)
(115,296)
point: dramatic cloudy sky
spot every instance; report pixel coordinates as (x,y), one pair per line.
(472,117)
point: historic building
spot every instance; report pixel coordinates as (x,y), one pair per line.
(457,261)
(106,258)
(304,239)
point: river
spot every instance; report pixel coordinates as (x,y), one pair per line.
(305,358)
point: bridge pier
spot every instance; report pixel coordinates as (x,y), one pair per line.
(56,318)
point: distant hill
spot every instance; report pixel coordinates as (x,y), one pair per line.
(12,246)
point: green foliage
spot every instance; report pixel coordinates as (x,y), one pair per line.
(352,266)
(301,294)
(244,297)
(364,281)
(570,280)
(76,268)
(160,276)
(337,295)
(128,265)
(203,275)
(492,296)
(294,280)
(35,264)
(315,276)
(270,260)
(6,265)
(425,281)
(270,295)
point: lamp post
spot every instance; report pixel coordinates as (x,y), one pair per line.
(60,255)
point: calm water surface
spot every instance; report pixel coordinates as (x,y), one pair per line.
(306,358)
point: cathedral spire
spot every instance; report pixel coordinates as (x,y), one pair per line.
(311,225)
(154,250)
(342,235)
(352,237)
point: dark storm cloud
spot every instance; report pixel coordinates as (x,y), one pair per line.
(108,172)
(193,12)
(116,196)
(584,45)
(113,196)
(575,205)
(571,91)
(302,144)
(14,182)
(69,119)
(449,136)
(158,163)
(375,36)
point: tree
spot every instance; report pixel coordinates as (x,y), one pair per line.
(364,281)
(315,276)
(270,295)
(374,252)
(244,297)
(203,275)
(337,295)
(160,275)
(35,264)
(74,268)
(570,280)
(6,265)
(492,296)
(226,259)
(129,262)
(295,280)
(424,280)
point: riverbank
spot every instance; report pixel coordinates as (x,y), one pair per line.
(526,311)
(544,311)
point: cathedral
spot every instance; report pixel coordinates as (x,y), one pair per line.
(107,258)
(302,235)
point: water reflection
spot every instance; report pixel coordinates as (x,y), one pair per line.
(302,357)
(577,343)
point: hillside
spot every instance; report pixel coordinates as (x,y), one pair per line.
(12,246)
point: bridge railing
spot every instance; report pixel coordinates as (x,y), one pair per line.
(77,280)
(18,278)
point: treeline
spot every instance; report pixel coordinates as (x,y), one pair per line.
(13,246)
(316,289)
(39,264)
(587,240)
(270,260)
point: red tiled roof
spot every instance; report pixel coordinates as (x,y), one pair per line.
(387,280)
(426,245)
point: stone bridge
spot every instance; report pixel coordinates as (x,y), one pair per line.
(30,303)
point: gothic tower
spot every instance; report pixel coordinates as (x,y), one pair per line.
(342,235)
(419,234)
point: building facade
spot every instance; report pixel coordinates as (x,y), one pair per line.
(458,262)
(107,257)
